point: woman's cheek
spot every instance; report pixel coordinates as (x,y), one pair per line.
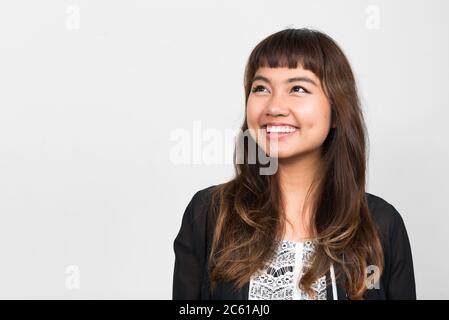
(252,121)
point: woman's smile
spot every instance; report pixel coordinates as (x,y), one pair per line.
(279,132)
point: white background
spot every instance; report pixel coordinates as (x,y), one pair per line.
(90,92)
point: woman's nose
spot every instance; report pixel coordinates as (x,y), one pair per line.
(277,107)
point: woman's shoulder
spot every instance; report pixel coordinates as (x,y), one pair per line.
(386,216)
(200,202)
(203,196)
(398,276)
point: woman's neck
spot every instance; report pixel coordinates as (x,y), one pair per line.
(295,178)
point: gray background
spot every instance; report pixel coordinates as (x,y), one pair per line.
(91,91)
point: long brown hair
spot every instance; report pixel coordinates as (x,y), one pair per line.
(248,211)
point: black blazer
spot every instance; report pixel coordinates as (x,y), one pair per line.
(192,247)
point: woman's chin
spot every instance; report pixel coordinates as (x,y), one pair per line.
(281,154)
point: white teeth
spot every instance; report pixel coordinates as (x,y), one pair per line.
(286,129)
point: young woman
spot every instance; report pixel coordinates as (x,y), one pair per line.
(309,230)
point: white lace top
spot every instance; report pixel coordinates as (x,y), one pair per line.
(279,279)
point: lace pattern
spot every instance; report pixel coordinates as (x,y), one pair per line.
(280,277)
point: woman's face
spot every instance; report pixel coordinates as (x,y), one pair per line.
(288,106)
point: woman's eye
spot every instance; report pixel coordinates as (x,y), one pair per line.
(257,88)
(300,88)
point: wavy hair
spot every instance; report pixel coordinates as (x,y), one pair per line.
(247,210)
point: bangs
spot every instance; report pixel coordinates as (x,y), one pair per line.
(290,48)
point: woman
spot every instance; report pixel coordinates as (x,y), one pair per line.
(308,230)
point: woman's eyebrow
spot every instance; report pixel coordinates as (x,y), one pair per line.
(305,79)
